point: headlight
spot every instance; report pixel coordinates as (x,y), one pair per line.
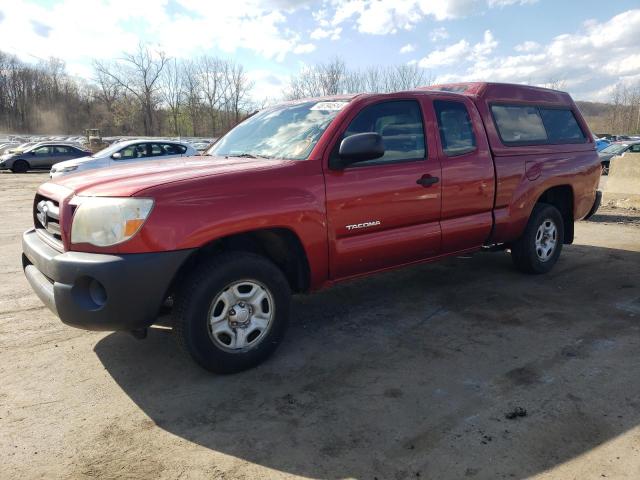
(70,168)
(104,221)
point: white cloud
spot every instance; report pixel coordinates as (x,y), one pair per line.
(304,48)
(446,56)
(527,46)
(382,17)
(506,3)
(487,45)
(267,84)
(589,62)
(321,33)
(408,48)
(460,52)
(439,33)
(77,32)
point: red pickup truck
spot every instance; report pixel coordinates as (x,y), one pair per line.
(306,194)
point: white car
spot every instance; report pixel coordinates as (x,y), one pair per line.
(124,153)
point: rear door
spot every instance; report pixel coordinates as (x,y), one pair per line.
(468,178)
(384,212)
(60,153)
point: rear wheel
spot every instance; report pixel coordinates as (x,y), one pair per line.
(232,312)
(20,166)
(539,247)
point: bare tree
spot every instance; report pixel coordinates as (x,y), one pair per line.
(214,77)
(237,92)
(334,78)
(191,89)
(171,91)
(138,73)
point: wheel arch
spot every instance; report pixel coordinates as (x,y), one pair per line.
(280,245)
(561,197)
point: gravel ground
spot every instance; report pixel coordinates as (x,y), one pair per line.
(409,374)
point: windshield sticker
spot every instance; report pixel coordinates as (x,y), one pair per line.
(329,106)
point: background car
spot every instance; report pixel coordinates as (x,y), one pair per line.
(616,149)
(40,156)
(5,147)
(123,153)
(601,143)
(201,146)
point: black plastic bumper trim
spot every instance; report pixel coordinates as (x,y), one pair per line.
(135,284)
(596,205)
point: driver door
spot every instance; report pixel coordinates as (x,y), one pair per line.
(385,212)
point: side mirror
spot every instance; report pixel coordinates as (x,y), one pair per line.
(360,148)
(116,156)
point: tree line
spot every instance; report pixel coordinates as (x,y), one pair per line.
(334,77)
(143,92)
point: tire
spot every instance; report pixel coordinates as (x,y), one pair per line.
(222,330)
(539,247)
(605,168)
(20,166)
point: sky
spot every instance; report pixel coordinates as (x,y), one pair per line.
(587,46)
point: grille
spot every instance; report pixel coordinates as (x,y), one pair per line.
(47,220)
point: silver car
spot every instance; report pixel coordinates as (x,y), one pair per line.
(124,153)
(40,156)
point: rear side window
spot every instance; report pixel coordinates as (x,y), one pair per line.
(400,125)
(561,126)
(174,149)
(519,124)
(456,130)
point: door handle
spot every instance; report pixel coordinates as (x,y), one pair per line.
(427,180)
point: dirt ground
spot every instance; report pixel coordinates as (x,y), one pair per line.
(408,374)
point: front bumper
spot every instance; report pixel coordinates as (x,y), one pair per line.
(100,291)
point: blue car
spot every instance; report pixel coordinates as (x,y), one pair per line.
(601,143)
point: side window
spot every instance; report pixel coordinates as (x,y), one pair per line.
(456,129)
(42,151)
(133,151)
(635,148)
(173,149)
(156,150)
(561,126)
(400,125)
(60,150)
(519,124)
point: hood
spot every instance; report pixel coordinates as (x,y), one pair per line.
(72,162)
(126,180)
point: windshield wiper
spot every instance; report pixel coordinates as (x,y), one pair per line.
(246,155)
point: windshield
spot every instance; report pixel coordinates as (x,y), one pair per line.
(615,148)
(285,131)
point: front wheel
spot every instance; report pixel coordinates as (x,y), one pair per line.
(20,166)
(231,313)
(539,247)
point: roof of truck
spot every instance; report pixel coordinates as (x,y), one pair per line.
(491,91)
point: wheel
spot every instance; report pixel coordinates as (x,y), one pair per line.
(605,168)
(539,247)
(231,313)
(20,166)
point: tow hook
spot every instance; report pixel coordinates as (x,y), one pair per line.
(139,333)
